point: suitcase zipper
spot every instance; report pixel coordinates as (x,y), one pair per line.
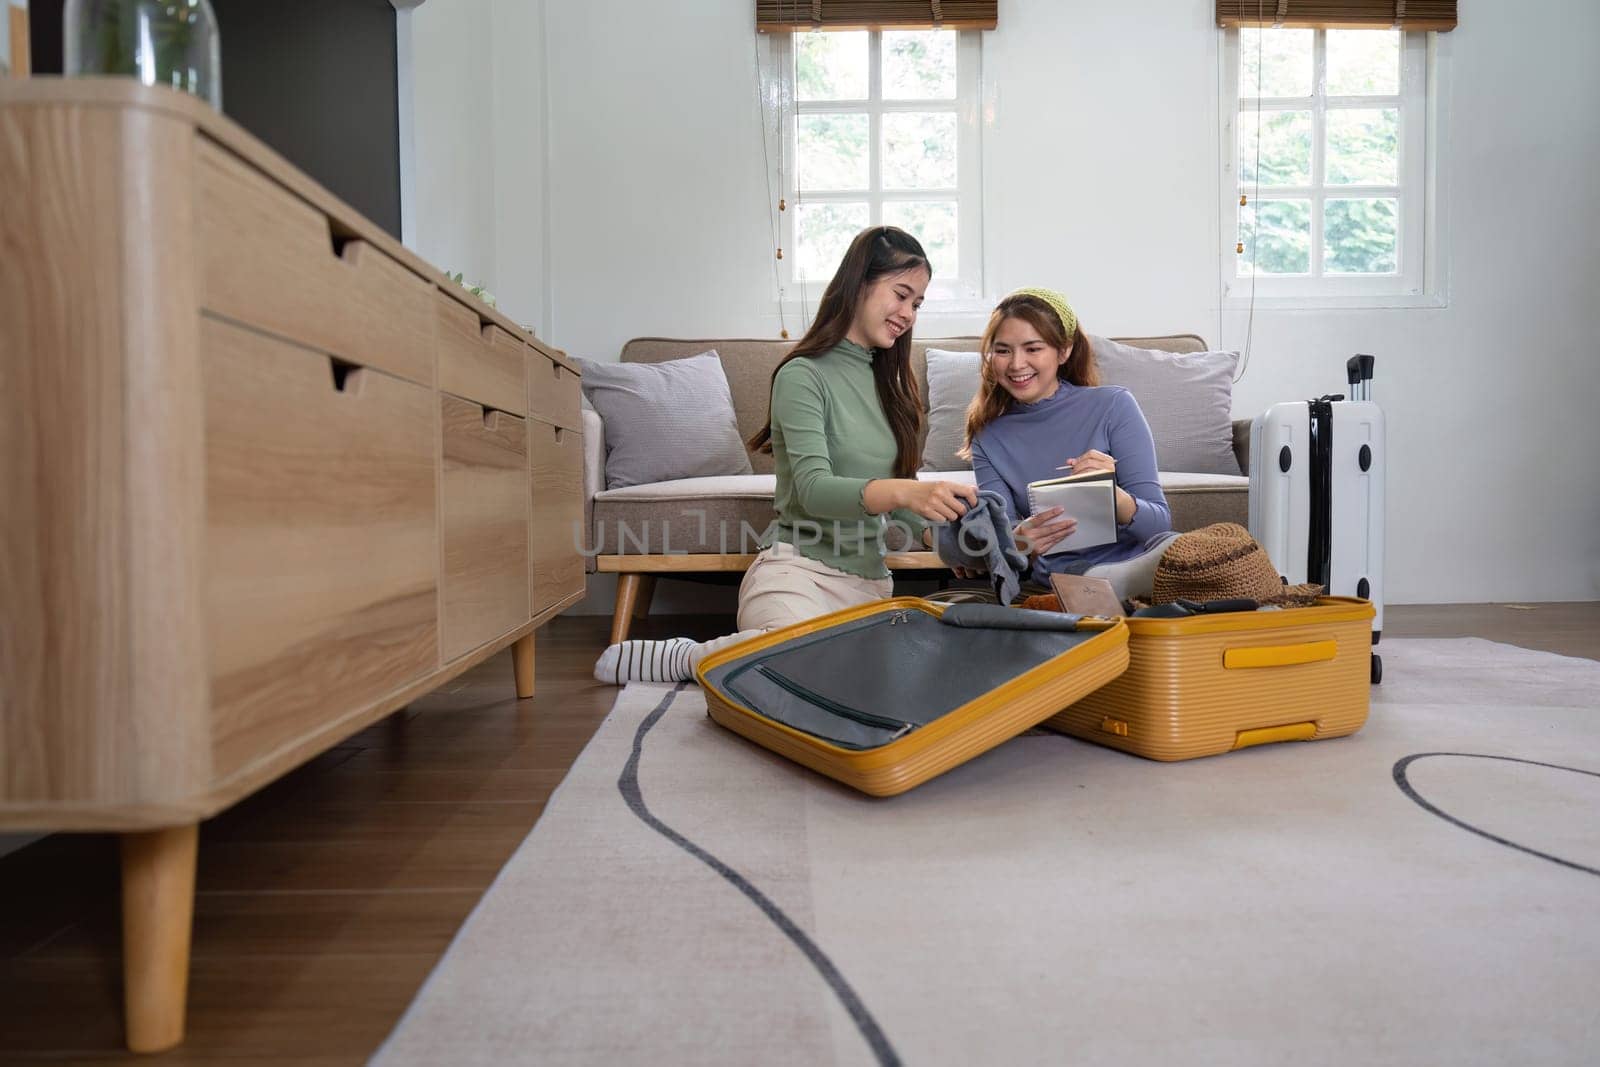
(898,727)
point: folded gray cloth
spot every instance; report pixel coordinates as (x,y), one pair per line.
(982,541)
(1001,617)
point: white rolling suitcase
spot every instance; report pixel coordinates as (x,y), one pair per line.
(1316,492)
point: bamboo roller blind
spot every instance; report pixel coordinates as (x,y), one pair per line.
(781,16)
(1340,14)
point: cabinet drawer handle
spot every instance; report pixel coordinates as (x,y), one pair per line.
(347,377)
(1279,655)
(493,418)
(343,241)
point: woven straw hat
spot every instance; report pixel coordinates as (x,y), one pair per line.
(1221,562)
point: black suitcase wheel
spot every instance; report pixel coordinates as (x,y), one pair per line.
(1377,669)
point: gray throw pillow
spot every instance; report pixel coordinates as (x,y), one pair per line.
(1187,397)
(952,383)
(665,420)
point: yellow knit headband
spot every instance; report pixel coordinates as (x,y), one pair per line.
(1057,303)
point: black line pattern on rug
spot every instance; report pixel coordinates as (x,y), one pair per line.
(1401,780)
(628,786)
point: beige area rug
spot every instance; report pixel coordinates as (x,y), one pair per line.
(1426,891)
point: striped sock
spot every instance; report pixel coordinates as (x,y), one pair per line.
(646,661)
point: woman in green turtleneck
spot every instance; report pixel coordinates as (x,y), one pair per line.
(843,432)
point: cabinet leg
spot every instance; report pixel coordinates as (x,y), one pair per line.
(157,916)
(629,590)
(522,662)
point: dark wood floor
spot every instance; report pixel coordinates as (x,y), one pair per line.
(325,900)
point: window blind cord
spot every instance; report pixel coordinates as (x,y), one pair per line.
(1255,218)
(787,164)
(772,204)
(799,196)
(1222,221)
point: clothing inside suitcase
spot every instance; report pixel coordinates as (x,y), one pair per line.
(864,684)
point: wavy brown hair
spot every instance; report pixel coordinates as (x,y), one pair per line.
(874,253)
(992,399)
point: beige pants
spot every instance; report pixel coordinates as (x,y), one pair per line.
(783,587)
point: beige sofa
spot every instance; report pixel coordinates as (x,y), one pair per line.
(698,527)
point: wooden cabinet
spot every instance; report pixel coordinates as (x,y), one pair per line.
(268,476)
(555,541)
(271,260)
(322,519)
(552,390)
(479,360)
(484,495)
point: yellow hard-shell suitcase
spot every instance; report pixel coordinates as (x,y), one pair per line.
(1206,684)
(885,696)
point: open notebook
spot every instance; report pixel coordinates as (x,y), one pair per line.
(1090,498)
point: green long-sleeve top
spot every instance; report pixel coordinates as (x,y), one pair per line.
(829,439)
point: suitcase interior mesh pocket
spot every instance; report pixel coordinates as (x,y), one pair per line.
(864,684)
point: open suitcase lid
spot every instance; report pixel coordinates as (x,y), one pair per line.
(887,695)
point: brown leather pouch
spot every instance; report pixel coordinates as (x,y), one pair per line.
(1086,596)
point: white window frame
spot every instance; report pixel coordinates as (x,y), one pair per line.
(945,293)
(1420,279)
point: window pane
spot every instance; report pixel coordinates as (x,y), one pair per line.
(933,222)
(919,150)
(823,232)
(1363,146)
(1283,57)
(1363,62)
(830,66)
(1360,236)
(919,64)
(1285,147)
(831,152)
(1277,235)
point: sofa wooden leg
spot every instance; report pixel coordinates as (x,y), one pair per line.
(157,918)
(647,590)
(522,664)
(629,586)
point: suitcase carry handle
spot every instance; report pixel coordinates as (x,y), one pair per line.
(1279,655)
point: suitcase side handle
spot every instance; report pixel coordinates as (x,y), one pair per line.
(1297,731)
(1279,655)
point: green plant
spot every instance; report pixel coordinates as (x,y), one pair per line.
(171,27)
(476,290)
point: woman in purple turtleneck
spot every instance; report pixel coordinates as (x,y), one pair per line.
(1040,409)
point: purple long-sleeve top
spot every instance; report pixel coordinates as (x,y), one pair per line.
(1030,441)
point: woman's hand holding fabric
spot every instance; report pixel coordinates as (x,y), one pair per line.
(938,501)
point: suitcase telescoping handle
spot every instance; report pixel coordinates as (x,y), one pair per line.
(1358,374)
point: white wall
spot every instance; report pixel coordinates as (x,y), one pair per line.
(657,189)
(478,93)
(520,161)
(1100,180)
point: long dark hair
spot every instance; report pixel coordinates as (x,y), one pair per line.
(992,400)
(875,252)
